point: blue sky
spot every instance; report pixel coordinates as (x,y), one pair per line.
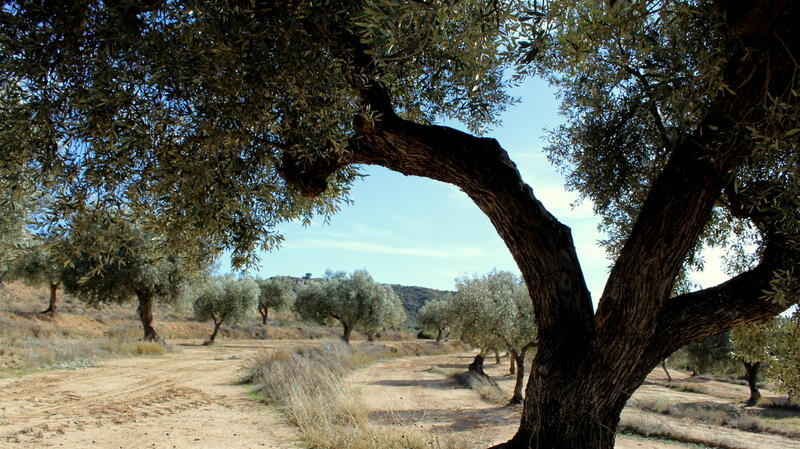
(415,231)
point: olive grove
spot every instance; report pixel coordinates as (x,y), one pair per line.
(356,301)
(219,119)
(494,312)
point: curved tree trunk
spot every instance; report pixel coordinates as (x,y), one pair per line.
(439,336)
(146,316)
(52,307)
(590,361)
(666,371)
(751,373)
(213,336)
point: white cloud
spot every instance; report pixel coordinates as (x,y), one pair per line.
(349,245)
(559,202)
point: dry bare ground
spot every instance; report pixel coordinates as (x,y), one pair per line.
(183,400)
(189,400)
(417,393)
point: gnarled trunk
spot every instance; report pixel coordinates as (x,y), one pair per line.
(751,374)
(264,314)
(439,336)
(52,306)
(146,316)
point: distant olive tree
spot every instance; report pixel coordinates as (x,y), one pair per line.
(703,354)
(15,206)
(225,301)
(434,318)
(355,300)
(494,312)
(39,266)
(784,366)
(750,344)
(111,259)
(275,294)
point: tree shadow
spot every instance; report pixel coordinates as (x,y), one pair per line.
(448,419)
(439,384)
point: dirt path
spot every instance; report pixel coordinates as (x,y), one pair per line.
(416,392)
(183,400)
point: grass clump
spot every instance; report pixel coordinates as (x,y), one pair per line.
(305,383)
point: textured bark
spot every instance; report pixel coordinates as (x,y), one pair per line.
(751,373)
(512,366)
(588,363)
(264,314)
(146,316)
(476,367)
(52,306)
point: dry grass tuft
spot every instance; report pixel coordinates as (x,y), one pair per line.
(305,383)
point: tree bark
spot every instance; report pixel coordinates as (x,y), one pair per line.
(52,307)
(512,366)
(666,371)
(264,314)
(217,325)
(751,374)
(518,384)
(439,336)
(348,329)
(476,366)
(146,316)
(496,358)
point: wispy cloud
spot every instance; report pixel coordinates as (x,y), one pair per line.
(560,202)
(349,245)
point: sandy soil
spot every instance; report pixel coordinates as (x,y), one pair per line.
(183,400)
(416,392)
(190,400)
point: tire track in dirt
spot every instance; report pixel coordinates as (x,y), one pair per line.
(183,400)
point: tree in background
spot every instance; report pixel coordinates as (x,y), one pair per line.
(39,266)
(494,312)
(15,208)
(704,354)
(222,119)
(750,344)
(434,318)
(225,301)
(355,300)
(140,267)
(784,367)
(275,294)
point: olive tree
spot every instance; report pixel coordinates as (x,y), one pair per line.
(142,267)
(275,294)
(355,300)
(784,367)
(225,301)
(434,317)
(15,208)
(494,312)
(38,265)
(223,118)
(704,354)
(750,344)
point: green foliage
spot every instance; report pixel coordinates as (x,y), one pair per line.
(493,312)
(704,354)
(784,365)
(15,207)
(355,300)
(274,294)
(414,298)
(182,110)
(434,317)
(226,300)
(636,79)
(751,342)
(142,264)
(37,266)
